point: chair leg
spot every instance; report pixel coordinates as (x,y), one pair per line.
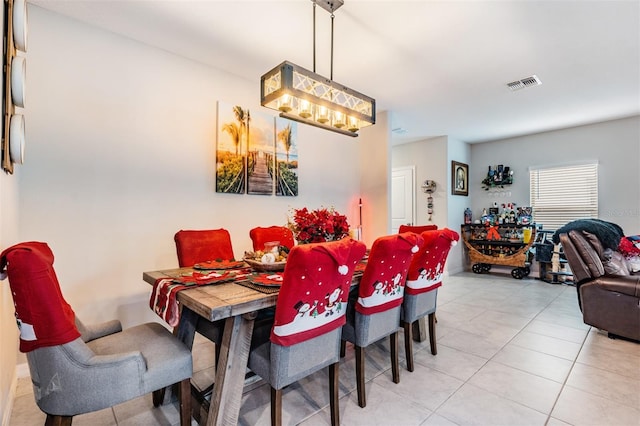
(362,396)
(276,407)
(158,397)
(185,402)
(334,387)
(408,346)
(395,368)
(343,348)
(432,333)
(58,420)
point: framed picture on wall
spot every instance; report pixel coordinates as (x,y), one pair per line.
(286,164)
(459,178)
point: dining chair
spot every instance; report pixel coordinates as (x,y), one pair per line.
(374,306)
(418,229)
(261,235)
(77,369)
(421,289)
(195,246)
(310,312)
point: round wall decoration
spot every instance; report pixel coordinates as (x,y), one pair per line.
(16,138)
(20,24)
(18,77)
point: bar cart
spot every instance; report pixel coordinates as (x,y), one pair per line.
(504,245)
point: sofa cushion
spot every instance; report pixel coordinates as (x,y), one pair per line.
(589,250)
(615,263)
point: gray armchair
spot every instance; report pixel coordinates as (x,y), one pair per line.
(77,369)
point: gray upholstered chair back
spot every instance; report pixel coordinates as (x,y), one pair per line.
(77,369)
(416,306)
(368,329)
(283,365)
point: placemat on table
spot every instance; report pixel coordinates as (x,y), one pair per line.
(267,279)
(260,288)
(207,278)
(220,264)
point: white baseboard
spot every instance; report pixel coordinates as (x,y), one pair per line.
(6,417)
(22,371)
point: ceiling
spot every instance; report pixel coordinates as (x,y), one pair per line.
(438,67)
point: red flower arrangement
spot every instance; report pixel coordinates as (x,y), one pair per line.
(318,226)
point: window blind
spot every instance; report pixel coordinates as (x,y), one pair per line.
(562,194)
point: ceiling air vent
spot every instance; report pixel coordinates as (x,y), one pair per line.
(525,82)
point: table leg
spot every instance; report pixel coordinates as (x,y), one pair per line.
(185,332)
(186,329)
(230,371)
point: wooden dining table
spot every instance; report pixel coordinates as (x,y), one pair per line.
(237,304)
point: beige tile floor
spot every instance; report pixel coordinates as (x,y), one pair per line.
(510,352)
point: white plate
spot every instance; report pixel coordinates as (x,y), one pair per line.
(18,75)
(20,24)
(16,138)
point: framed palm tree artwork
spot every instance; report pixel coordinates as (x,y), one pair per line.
(286,158)
(260,155)
(231,150)
(245,151)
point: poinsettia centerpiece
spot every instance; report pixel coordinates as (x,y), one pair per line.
(316,226)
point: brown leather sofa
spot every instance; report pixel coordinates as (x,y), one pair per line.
(609,296)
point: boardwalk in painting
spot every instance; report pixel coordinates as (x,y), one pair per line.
(260,181)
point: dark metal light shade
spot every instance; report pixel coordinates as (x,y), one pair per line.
(306,97)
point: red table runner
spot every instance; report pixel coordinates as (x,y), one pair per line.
(163,300)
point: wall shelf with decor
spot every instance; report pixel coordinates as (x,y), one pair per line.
(497,177)
(504,245)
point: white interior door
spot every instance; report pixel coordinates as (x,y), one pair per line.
(403,196)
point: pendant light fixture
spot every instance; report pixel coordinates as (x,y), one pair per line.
(304,96)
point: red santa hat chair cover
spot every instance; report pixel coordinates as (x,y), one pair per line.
(310,312)
(418,229)
(261,235)
(423,279)
(43,315)
(377,308)
(202,245)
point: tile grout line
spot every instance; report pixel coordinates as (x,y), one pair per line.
(564,383)
(503,346)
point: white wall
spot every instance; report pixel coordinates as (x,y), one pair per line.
(374,165)
(615,145)
(8,330)
(457,151)
(430,160)
(120,156)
